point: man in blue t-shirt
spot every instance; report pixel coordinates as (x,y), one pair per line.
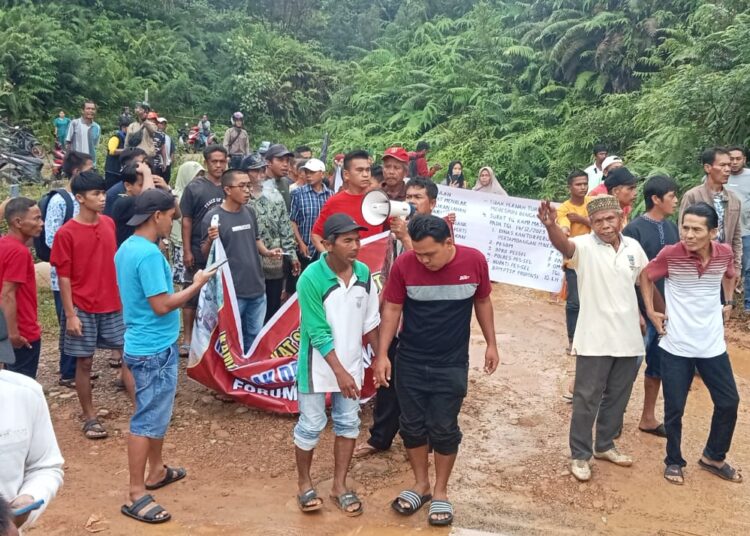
(152,326)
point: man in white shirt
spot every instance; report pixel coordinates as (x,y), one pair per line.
(31,466)
(594,171)
(608,335)
(739,184)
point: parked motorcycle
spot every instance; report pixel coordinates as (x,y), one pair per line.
(58,156)
(195,143)
(20,140)
(16,168)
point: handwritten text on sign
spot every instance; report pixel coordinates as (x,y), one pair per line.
(509,234)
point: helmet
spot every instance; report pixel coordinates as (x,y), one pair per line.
(237,115)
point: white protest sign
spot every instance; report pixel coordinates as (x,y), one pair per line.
(507,231)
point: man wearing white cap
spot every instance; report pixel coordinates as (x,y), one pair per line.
(609,164)
(307,201)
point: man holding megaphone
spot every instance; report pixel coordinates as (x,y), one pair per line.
(348,200)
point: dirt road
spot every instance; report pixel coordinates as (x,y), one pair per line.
(511,475)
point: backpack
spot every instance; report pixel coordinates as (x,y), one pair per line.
(40,242)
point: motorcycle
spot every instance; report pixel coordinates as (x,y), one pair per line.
(16,168)
(58,156)
(20,140)
(195,143)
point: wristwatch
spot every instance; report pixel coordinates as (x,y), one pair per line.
(729,303)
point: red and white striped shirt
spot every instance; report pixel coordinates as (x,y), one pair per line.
(695,327)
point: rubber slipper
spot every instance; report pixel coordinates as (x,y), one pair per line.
(659,431)
(364,450)
(133,511)
(347,499)
(173,475)
(440,507)
(414,500)
(306,498)
(674,471)
(725,472)
(93,429)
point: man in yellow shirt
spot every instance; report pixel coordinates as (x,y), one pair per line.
(115,146)
(573,218)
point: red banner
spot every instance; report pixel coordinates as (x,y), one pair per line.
(266,376)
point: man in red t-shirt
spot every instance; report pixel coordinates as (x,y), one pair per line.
(18,279)
(83,254)
(435,286)
(348,200)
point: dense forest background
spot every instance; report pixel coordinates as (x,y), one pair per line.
(525,86)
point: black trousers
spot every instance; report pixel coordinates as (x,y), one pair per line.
(677,374)
(273,296)
(572,305)
(387,411)
(27,359)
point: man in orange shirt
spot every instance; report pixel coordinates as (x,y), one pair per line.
(573,218)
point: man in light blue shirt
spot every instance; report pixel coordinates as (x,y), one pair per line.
(152,326)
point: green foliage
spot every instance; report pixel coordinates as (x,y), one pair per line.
(525,86)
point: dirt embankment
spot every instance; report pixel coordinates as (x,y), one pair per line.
(511,476)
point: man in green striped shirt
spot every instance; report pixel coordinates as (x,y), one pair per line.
(339,305)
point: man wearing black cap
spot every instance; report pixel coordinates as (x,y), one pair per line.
(278,157)
(152,326)
(339,305)
(623,185)
(238,229)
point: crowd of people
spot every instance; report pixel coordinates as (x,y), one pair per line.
(129,254)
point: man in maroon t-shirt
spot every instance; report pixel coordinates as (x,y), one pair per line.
(436,286)
(348,200)
(18,280)
(83,254)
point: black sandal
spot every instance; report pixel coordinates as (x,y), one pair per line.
(437,508)
(173,475)
(93,429)
(674,471)
(347,499)
(725,472)
(134,510)
(308,497)
(414,502)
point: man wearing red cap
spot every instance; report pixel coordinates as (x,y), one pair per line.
(395,163)
(349,200)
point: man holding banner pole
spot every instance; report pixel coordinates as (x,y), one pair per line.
(435,286)
(338,303)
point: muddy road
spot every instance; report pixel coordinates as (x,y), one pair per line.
(511,476)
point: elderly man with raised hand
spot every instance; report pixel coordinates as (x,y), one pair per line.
(608,336)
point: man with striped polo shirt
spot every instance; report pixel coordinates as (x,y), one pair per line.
(692,329)
(436,286)
(338,304)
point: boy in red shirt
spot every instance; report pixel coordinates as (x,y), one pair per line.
(83,254)
(18,280)
(348,200)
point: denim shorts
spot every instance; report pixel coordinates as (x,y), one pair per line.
(312,418)
(155,387)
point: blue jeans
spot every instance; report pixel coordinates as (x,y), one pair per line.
(312,418)
(676,376)
(155,386)
(746,269)
(67,362)
(252,314)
